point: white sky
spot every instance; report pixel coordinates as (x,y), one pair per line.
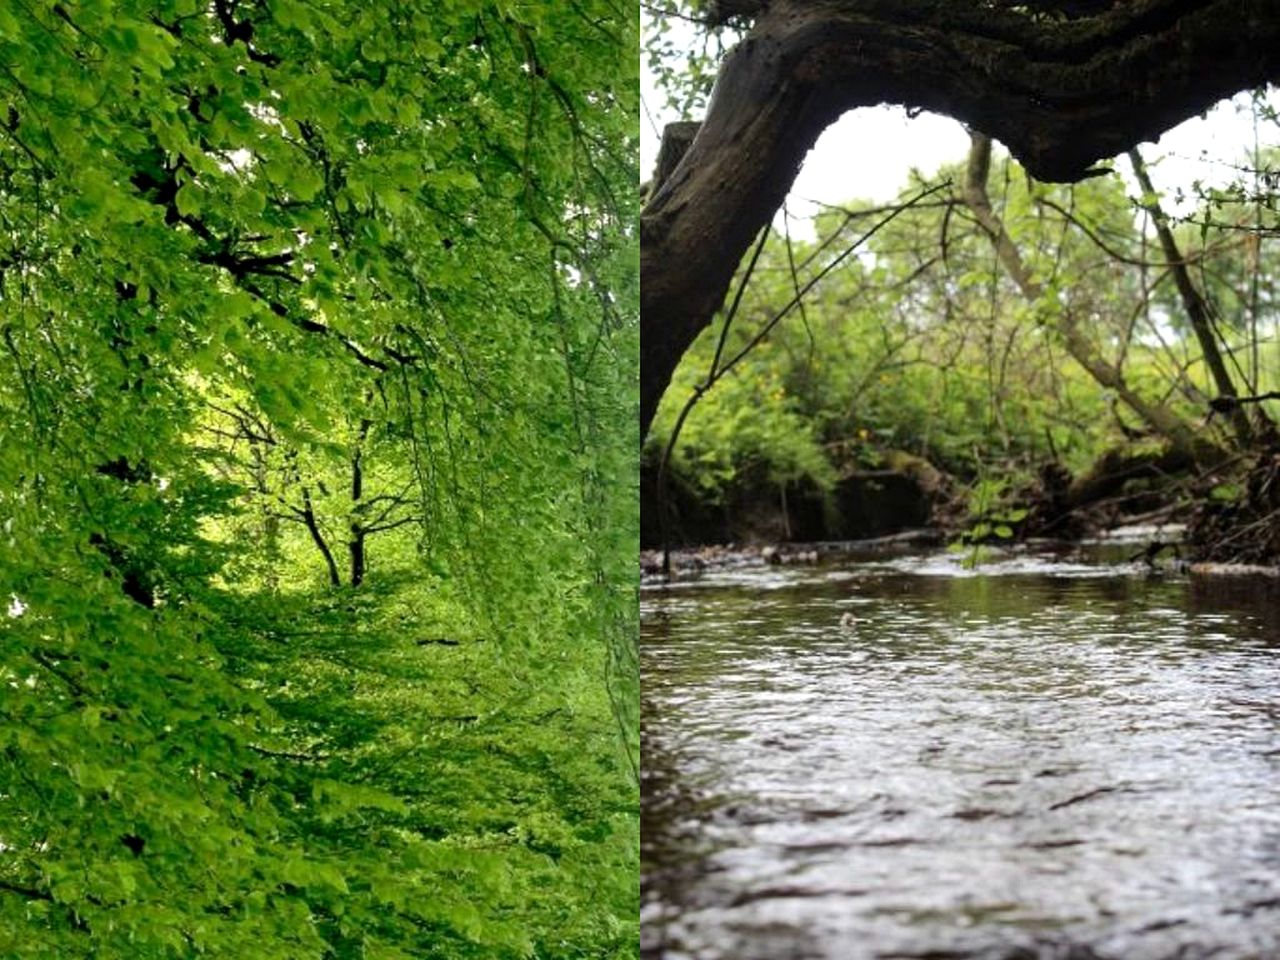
(867,154)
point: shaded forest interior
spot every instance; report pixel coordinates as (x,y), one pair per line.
(318,352)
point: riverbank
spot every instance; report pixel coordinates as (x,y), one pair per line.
(1225,517)
(1156,549)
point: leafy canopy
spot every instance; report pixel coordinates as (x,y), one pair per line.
(370,264)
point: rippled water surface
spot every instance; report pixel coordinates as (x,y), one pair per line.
(903,758)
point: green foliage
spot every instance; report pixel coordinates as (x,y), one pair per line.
(922,341)
(278,276)
(992,517)
(683,48)
(747,425)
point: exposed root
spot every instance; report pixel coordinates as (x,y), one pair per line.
(1244,529)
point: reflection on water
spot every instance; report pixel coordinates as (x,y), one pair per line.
(899,759)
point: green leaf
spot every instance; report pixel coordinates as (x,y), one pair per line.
(187,200)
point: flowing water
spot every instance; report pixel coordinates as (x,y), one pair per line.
(903,758)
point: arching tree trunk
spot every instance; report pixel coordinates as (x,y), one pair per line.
(1060,93)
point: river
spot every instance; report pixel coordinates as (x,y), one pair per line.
(895,756)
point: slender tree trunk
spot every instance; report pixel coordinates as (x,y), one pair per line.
(313,528)
(356,547)
(1170,426)
(1194,303)
(356,544)
(270,521)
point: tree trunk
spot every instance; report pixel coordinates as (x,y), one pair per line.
(270,521)
(1111,471)
(1194,303)
(1059,93)
(1168,424)
(355,545)
(356,548)
(313,528)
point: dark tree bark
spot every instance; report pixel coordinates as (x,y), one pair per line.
(355,545)
(1062,85)
(308,515)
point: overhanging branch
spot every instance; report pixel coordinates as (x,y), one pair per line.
(1061,92)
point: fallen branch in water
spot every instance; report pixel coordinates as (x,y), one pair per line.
(1082,797)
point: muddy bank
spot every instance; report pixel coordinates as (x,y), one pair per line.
(1126,548)
(906,494)
(1232,511)
(1238,518)
(686,561)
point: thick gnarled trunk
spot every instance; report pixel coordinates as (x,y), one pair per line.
(1059,93)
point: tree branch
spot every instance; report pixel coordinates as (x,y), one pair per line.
(1060,93)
